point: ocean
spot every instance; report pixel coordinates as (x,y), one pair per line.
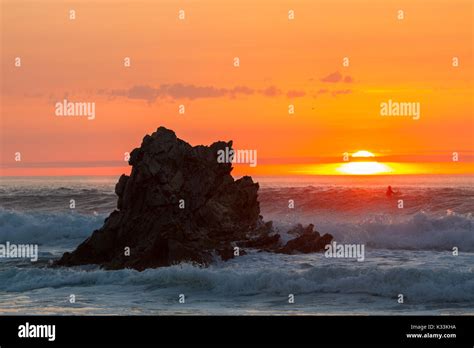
(408,251)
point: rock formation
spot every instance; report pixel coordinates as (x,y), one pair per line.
(179,204)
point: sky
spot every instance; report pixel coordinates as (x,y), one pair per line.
(290,53)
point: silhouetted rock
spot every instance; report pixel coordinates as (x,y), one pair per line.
(309,242)
(179,204)
(299,230)
(230,252)
(265,241)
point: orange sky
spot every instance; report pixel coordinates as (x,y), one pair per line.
(282,62)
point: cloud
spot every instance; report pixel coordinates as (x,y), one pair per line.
(348,79)
(142,92)
(271,91)
(295,94)
(242,90)
(332,78)
(182,91)
(175,91)
(192,92)
(341,91)
(337,77)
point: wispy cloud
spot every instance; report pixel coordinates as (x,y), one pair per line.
(332,78)
(348,79)
(341,91)
(182,91)
(336,77)
(295,94)
(271,91)
(177,91)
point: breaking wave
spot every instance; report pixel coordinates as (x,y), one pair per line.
(419,284)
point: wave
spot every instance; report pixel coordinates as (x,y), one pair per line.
(421,231)
(85,201)
(333,201)
(47,228)
(418,232)
(432,218)
(360,201)
(420,285)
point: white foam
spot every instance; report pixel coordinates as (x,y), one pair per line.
(47,228)
(419,232)
(247,277)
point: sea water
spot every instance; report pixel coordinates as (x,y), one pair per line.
(408,251)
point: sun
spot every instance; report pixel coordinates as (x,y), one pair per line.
(363,167)
(363,153)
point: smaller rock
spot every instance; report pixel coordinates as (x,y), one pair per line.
(299,230)
(263,242)
(307,242)
(227,253)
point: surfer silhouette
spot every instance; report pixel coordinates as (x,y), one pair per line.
(389,192)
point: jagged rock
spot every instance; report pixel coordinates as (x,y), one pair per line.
(299,230)
(228,253)
(264,241)
(307,242)
(179,204)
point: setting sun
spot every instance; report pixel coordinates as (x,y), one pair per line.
(364,168)
(362,163)
(363,153)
